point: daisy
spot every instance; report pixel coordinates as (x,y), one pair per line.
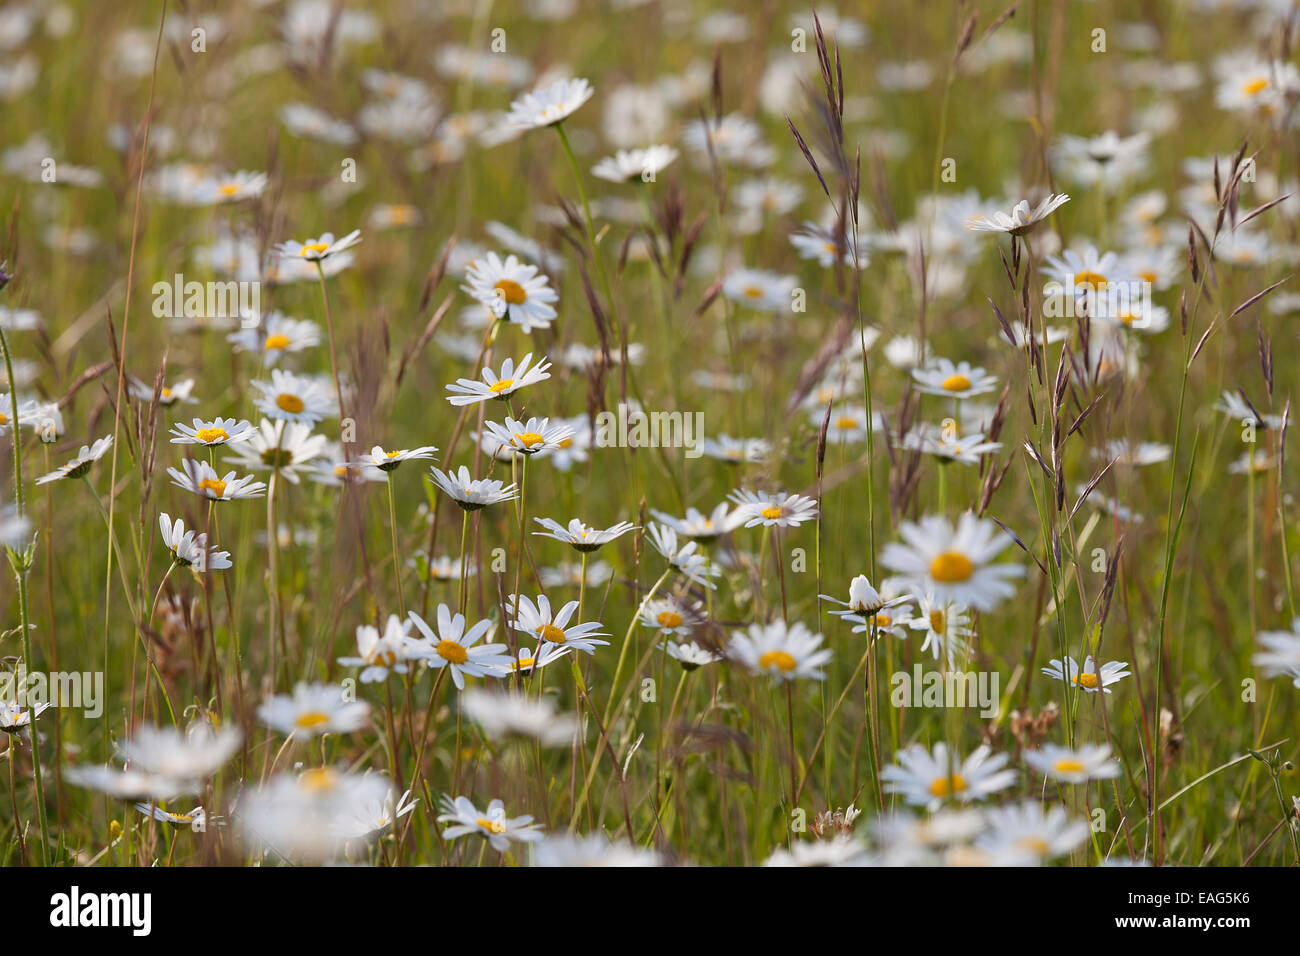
(80,465)
(941,376)
(554,627)
(964,449)
(219,431)
(593,850)
(954,564)
(781,509)
(695,567)
(530,437)
(286,447)
(580,536)
(317,250)
(200,478)
(758,290)
(1140,454)
(312,710)
(1023,217)
(308,816)
(895,616)
(196,819)
(278,336)
(501,387)
(572,450)
(946,626)
(440,568)
(1089,762)
(629,165)
(698,527)
(736,450)
(1236,406)
(839,851)
(372,818)
(1090,679)
(1280,653)
(570,574)
(529,660)
(189,549)
(815,242)
(1023,832)
(223,189)
(511,291)
(472,493)
(503,716)
(847,425)
(14,718)
(457,649)
(928,778)
(781,652)
(492,824)
(863,598)
(294,398)
(672,615)
(1257,461)
(132,785)
(734,139)
(167,395)
(191,755)
(377,653)
(548,105)
(390,460)
(690,654)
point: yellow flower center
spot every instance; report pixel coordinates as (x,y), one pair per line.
(1086,680)
(511,291)
(551,633)
(314,247)
(491,826)
(951,567)
(277,341)
(500,385)
(565,443)
(394,454)
(529,439)
(937,621)
(754,293)
(4,419)
(313,718)
(229,189)
(1094,279)
(214,485)
(669,619)
(1068,766)
(452,653)
(208,435)
(319,779)
(524,664)
(847,422)
(946,786)
(1034,844)
(289,403)
(779,660)
(1255,86)
(771,512)
(166,393)
(956,383)
(383,656)
(883,620)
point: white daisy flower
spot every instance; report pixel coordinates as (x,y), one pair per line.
(312,710)
(1090,678)
(593,850)
(672,615)
(492,824)
(191,755)
(191,549)
(167,395)
(569,574)
(530,437)
(946,626)
(512,291)
(632,165)
(132,785)
(781,509)
(1279,654)
(196,819)
(926,778)
(372,818)
(699,527)
(317,250)
(1089,762)
(200,478)
(511,714)
(467,391)
(219,431)
(378,653)
(839,851)
(548,105)
(1023,833)
(80,465)
(759,290)
(308,816)
(287,447)
(14,718)
(954,564)
(694,566)
(734,451)
(528,660)
(294,398)
(554,627)
(1022,219)
(454,647)
(582,537)
(690,654)
(781,652)
(276,337)
(572,450)
(473,493)
(941,376)
(390,460)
